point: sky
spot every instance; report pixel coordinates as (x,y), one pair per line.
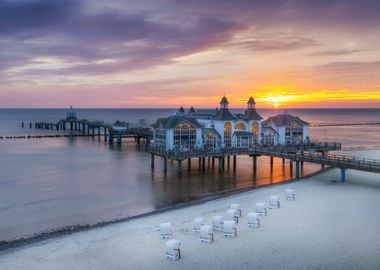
(168,53)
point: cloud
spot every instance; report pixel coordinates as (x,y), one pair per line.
(336,52)
(100,43)
(276,44)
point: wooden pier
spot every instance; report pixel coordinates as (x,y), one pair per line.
(101,129)
(313,153)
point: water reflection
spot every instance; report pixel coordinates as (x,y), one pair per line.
(53,183)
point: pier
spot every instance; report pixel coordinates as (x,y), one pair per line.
(110,132)
(316,153)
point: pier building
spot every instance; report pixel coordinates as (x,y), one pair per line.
(220,128)
(288,128)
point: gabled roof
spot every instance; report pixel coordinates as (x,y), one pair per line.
(224,114)
(265,128)
(251,114)
(284,119)
(205,131)
(173,121)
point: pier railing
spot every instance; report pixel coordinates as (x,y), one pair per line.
(333,160)
(182,154)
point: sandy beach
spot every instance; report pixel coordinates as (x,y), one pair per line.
(329,226)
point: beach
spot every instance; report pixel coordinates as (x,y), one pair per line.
(330,225)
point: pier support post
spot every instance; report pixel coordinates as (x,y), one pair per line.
(179,167)
(271,163)
(110,138)
(200,163)
(297,169)
(220,163)
(152,162)
(254,163)
(228,162)
(203,164)
(342,175)
(213,162)
(323,155)
(291,167)
(119,139)
(234,162)
(165,164)
(189,164)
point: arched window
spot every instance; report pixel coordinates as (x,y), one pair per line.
(239,126)
(255,130)
(185,136)
(227,134)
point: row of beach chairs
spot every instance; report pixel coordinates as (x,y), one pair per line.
(227,224)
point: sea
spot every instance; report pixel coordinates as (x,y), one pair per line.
(52,184)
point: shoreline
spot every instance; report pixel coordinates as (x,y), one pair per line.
(330,225)
(5,246)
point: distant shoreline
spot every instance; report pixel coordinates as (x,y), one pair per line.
(71,229)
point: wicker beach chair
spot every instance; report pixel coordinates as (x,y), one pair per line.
(253,220)
(232,214)
(237,207)
(217,223)
(206,235)
(172,250)
(290,194)
(198,222)
(229,227)
(274,202)
(166,230)
(261,208)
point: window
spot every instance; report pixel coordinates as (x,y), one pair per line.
(294,132)
(239,126)
(160,137)
(210,140)
(227,134)
(185,136)
(255,130)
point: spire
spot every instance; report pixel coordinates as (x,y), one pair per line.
(192,110)
(181,110)
(251,103)
(223,103)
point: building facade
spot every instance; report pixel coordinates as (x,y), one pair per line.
(220,128)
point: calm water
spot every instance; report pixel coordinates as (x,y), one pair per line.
(46,184)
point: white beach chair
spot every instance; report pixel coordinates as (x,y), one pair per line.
(290,194)
(166,230)
(206,235)
(172,250)
(232,214)
(198,222)
(237,207)
(229,227)
(253,220)
(261,208)
(217,223)
(274,202)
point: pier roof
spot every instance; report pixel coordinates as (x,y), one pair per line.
(174,120)
(284,119)
(224,114)
(251,114)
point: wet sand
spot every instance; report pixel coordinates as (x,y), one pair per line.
(329,226)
